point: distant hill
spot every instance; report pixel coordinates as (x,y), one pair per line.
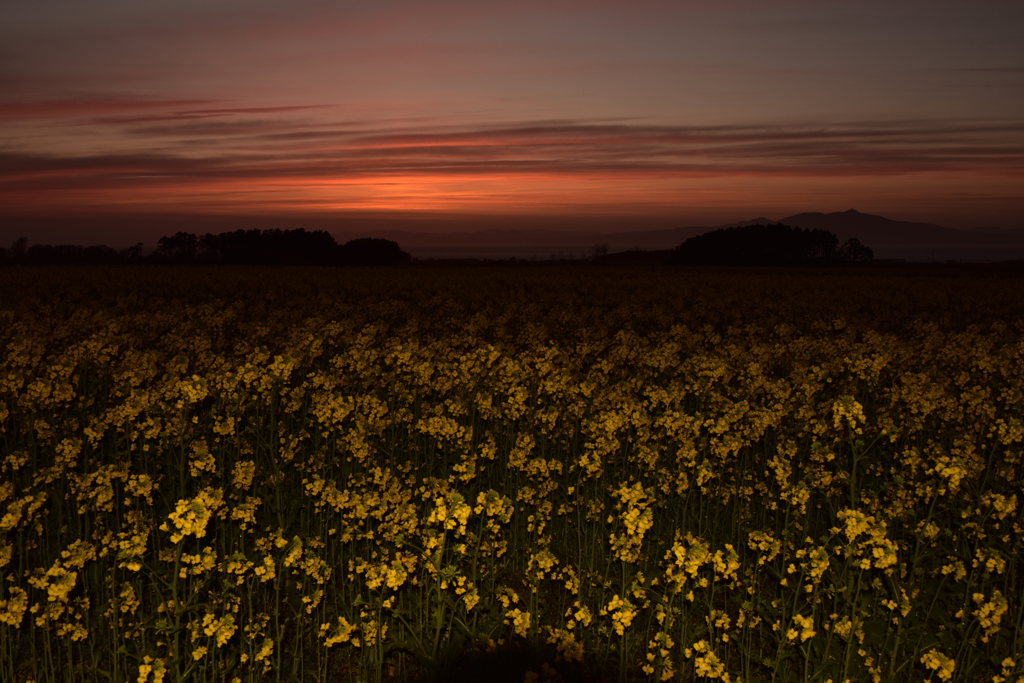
(746,224)
(878,231)
(769,245)
(992,230)
(531,237)
(871,230)
(653,257)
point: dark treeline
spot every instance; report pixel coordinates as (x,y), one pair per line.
(769,245)
(756,245)
(67,254)
(249,247)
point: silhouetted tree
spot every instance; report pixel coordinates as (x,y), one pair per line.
(100,254)
(18,249)
(239,246)
(818,246)
(276,247)
(182,247)
(853,251)
(759,245)
(132,254)
(372,251)
(4,257)
(70,255)
(257,247)
(269,247)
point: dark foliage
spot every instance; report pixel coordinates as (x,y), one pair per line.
(853,251)
(768,245)
(132,254)
(270,247)
(70,254)
(277,247)
(18,249)
(182,247)
(249,247)
(372,251)
(511,664)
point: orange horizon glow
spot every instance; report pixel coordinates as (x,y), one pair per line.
(640,188)
(394,109)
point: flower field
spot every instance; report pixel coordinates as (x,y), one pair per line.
(525,473)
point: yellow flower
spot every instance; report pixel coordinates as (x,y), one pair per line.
(990,613)
(707,662)
(243,474)
(806,625)
(847,412)
(583,615)
(520,621)
(623,612)
(13,610)
(935,660)
(568,647)
(451,512)
(266,649)
(150,665)
(192,516)
(221,629)
(342,632)
(267,570)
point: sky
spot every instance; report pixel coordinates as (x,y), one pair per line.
(701,112)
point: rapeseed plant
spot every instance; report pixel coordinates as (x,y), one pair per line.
(660,475)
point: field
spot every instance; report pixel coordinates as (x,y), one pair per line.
(524,473)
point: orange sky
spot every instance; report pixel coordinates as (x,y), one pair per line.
(705,112)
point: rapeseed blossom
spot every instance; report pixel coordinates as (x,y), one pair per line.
(211,482)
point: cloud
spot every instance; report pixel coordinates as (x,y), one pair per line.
(87,107)
(235,155)
(188,114)
(115,110)
(849,148)
(995,69)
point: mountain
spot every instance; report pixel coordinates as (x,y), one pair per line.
(889,238)
(878,231)
(585,239)
(532,238)
(992,230)
(746,224)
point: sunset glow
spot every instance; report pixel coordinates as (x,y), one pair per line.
(674,110)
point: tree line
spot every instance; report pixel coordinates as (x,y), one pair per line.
(240,247)
(756,245)
(770,245)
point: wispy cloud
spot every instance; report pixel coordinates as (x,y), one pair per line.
(995,69)
(188,114)
(113,110)
(230,157)
(87,107)
(272,148)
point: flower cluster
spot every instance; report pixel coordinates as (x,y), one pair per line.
(671,474)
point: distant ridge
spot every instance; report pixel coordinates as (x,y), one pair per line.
(880,231)
(757,221)
(538,238)
(545,238)
(873,231)
(524,236)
